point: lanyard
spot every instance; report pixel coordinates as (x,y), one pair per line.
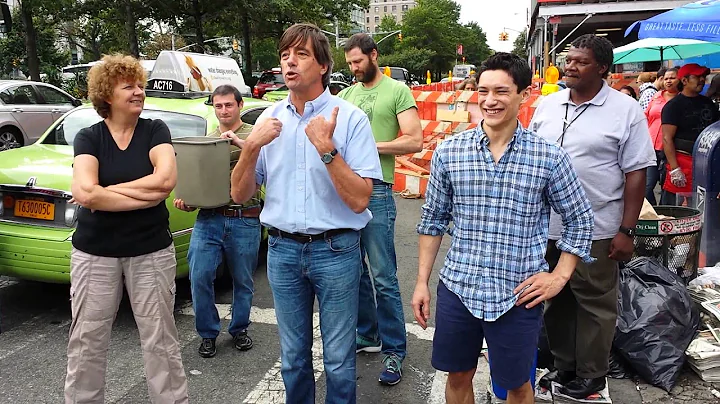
(566,124)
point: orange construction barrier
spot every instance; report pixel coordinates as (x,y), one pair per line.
(442,115)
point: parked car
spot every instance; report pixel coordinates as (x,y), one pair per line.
(28,108)
(268,81)
(282,92)
(400,74)
(36,219)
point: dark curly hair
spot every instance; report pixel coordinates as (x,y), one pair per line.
(602,49)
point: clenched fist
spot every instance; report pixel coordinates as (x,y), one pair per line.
(264,132)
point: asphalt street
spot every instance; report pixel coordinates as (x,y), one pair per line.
(35,319)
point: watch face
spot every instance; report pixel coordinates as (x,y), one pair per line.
(327,158)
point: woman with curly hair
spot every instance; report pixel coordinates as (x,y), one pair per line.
(123,170)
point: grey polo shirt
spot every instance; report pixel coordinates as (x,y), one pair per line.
(605,141)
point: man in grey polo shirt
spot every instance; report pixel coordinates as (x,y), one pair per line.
(606,135)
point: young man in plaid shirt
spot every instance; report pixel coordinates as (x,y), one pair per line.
(497,183)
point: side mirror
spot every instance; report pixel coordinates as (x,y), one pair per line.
(76,102)
(209,100)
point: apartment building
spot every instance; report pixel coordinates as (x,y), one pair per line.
(380,8)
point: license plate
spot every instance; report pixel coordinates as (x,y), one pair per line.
(35,209)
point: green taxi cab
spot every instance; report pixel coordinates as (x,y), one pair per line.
(37,220)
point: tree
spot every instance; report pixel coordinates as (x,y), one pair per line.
(160,42)
(15,54)
(474,42)
(433,25)
(416,61)
(520,45)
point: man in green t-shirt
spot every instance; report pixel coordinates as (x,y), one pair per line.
(230,231)
(391,108)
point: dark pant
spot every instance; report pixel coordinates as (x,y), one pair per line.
(655,175)
(511,339)
(580,320)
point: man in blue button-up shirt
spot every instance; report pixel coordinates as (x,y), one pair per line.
(497,183)
(316,155)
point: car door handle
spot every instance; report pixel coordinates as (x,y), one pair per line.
(17,110)
(56,111)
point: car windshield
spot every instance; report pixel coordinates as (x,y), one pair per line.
(271,78)
(180,125)
(397,74)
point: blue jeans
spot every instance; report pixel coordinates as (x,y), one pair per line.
(239,240)
(380,315)
(329,268)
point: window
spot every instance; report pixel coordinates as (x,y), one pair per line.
(394,8)
(368,20)
(377,9)
(377,28)
(385,9)
(53,96)
(250,116)
(19,95)
(180,125)
(377,19)
(405,7)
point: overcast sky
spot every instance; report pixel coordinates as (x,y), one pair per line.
(493,15)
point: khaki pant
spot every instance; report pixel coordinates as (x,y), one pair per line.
(96,290)
(580,320)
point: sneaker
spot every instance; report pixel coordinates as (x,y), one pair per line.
(393,371)
(362,346)
(242,341)
(207,348)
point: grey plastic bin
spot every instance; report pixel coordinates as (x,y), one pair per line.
(203,166)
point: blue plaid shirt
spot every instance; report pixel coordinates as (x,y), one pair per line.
(501,215)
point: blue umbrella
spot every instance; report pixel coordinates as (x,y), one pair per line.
(698,20)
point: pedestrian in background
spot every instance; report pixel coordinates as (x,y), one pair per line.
(316,155)
(497,183)
(683,119)
(391,108)
(646,88)
(469,84)
(591,116)
(627,90)
(123,170)
(653,113)
(231,232)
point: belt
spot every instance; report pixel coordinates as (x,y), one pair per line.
(307,238)
(227,211)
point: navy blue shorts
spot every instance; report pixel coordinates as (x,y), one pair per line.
(512,340)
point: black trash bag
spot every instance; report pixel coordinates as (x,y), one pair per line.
(619,368)
(657,320)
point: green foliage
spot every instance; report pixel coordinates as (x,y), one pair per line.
(431,32)
(13,52)
(389,45)
(519,46)
(415,60)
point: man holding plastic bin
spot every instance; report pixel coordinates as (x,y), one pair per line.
(497,183)
(232,231)
(316,155)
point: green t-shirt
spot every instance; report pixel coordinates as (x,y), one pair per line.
(243,132)
(382,104)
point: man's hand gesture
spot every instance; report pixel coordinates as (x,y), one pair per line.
(320,132)
(264,132)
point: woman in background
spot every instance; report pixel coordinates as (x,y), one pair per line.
(627,90)
(653,113)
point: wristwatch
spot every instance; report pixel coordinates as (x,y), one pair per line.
(327,158)
(627,231)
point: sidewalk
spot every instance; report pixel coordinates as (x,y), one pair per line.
(689,389)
